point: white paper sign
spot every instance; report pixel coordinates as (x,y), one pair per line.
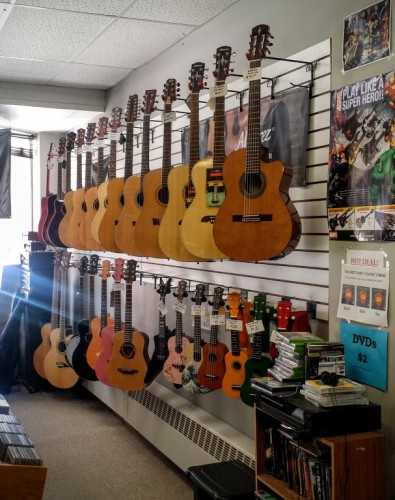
(169,117)
(197,310)
(88,148)
(217,319)
(219,90)
(252,74)
(179,307)
(117,287)
(374,258)
(113,136)
(255,327)
(234,324)
(162,308)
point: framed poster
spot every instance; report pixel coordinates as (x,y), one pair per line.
(367,35)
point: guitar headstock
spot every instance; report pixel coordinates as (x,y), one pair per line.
(118,269)
(164,288)
(129,274)
(199,294)
(170,91)
(181,290)
(131,113)
(102,127)
(149,102)
(62,146)
(115,121)
(222,63)
(217,300)
(105,269)
(284,313)
(65,261)
(90,133)
(259,309)
(234,304)
(196,80)
(80,140)
(52,151)
(83,265)
(93,264)
(70,141)
(259,43)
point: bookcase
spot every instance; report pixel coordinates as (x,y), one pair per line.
(354,463)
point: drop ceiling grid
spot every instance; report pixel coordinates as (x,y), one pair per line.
(27,71)
(88,76)
(112,8)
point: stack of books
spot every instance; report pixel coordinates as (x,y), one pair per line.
(273,387)
(289,366)
(346,392)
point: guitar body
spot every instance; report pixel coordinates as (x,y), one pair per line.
(76,218)
(64,223)
(51,213)
(78,357)
(110,219)
(96,344)
(252,240)
(102,202)
(42,350)
(46,202)
(52,228)
(189,375)
(169,235)
(128,363)
(85,228)
(174,365)
(212,369)
(104,356)
(161,353)
(253,368)
(150,217)
(131,211)
(197,223)
(235,374)
(58,372)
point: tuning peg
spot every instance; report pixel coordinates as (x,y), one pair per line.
(248,56)
(185,294)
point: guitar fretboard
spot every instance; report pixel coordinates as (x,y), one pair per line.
(145,149)
(219,130)
(166,158)
(68,171)
(194,155)
(103,304)
(79,170)
(117,310)
(128,313)
(88,169)
(129,150)
(100,162)
(112,171)
(254,120)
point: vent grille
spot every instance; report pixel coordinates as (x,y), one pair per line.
(208,441)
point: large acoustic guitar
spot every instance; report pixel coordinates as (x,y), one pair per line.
(181,189)
(235,360)
(253,223)
(128,364)
(155,188)
(57,370)
(107,333)
(194,351)
(45,200)
(212,368)
(161,350)
(177,345)
(197,223)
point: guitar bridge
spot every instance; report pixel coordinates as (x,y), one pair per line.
(156,222)
(127,371)
(208,218)
(211,377)
(60,364)
(252,218)
(236,387)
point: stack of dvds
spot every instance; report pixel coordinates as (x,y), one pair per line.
(290,362)
(21,455)
(7,439)
(346,392)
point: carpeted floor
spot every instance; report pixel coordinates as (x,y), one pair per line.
(90,453)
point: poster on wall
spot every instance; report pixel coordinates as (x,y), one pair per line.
(367,35)
(361,167)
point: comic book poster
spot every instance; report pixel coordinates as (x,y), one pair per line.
(367,35)
(361,169)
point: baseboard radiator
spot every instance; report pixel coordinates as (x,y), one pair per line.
(185,433)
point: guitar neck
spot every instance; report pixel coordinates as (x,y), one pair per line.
(194,155)
(60,175)
(55,298)
(129,150)
(197,337)
(257,346)
(81,297)
(103,304)
(68,171)
(62,312)
(88,169)
(128,313)
(254,123)
(112,171)
(166,159)
(79,170)
(235,342)
(100,162)
(145,149)
(219,131)
(91,297)
(178,340)
(117,310)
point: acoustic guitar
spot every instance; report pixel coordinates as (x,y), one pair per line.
(155,188)
(197,223)
(180,186)
(57,370)
(45,200)
(161,350)
(99,323)
(194,351)
(101,367)
(177,345)
(212,368)
(113,191)
(66,206)
(235,360)
(254,212)
(133,192)
(128,364)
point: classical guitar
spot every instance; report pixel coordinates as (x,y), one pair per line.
(258,364)
(128,364)
(66,207)
(110,207)
(194,351)
(180,186)
(43,349)
(45,200)
(99,323)
(91,201)
(254,212)
(58,372)
(107,332)
(161,351)
(135,183)
(197,223)
(235,360)
(177,345)
(155,188)
(212,369)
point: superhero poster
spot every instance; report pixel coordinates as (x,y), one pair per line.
(361,167)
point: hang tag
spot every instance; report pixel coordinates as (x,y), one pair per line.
(251,74)
(88,148)
(78,151)
(162,308)
(169,117)
(255,326)
(197,310)
(219,90)
(113,136)
(60,158)
(211,103)
(274,337)
(179,307)
(117,287)
(50,164)
(217,320)
(234,324)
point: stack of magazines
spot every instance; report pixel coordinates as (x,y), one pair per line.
(346,392)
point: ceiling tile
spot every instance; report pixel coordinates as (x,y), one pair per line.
(173,11)
(147,39)
(88,76)
(41,34)
(115,7)
(26,71)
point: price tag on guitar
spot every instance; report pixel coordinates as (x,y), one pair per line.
(219,90)
(169,117)
(255,326)
(162,308)
(217,320)
(251,74)
(179,307)
(197,310)
(234,324)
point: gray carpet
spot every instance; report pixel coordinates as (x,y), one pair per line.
(91,454)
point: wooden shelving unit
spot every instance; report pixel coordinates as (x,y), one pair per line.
(22,481)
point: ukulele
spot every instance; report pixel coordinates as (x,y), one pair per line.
(181,189)
(49,197)
(135,182)
(212,369)
(194,351)
(254,212)
(107,332)
(110,207)
(176,361)
(161,351)
(155,188)
(91,201)
(128,364)
(99,323)
(122,232)
(57,370)
(66,207)
(235,360)
(197,223)
(283,314)
(258,364)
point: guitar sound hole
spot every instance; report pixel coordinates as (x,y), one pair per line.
(62,347)
(212,357)
(127,351)
(96,205)
(236,366)
(122,200)
(252,184)
(163,195)
(178,349)
(84,207)
(140,198)
(106,202)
